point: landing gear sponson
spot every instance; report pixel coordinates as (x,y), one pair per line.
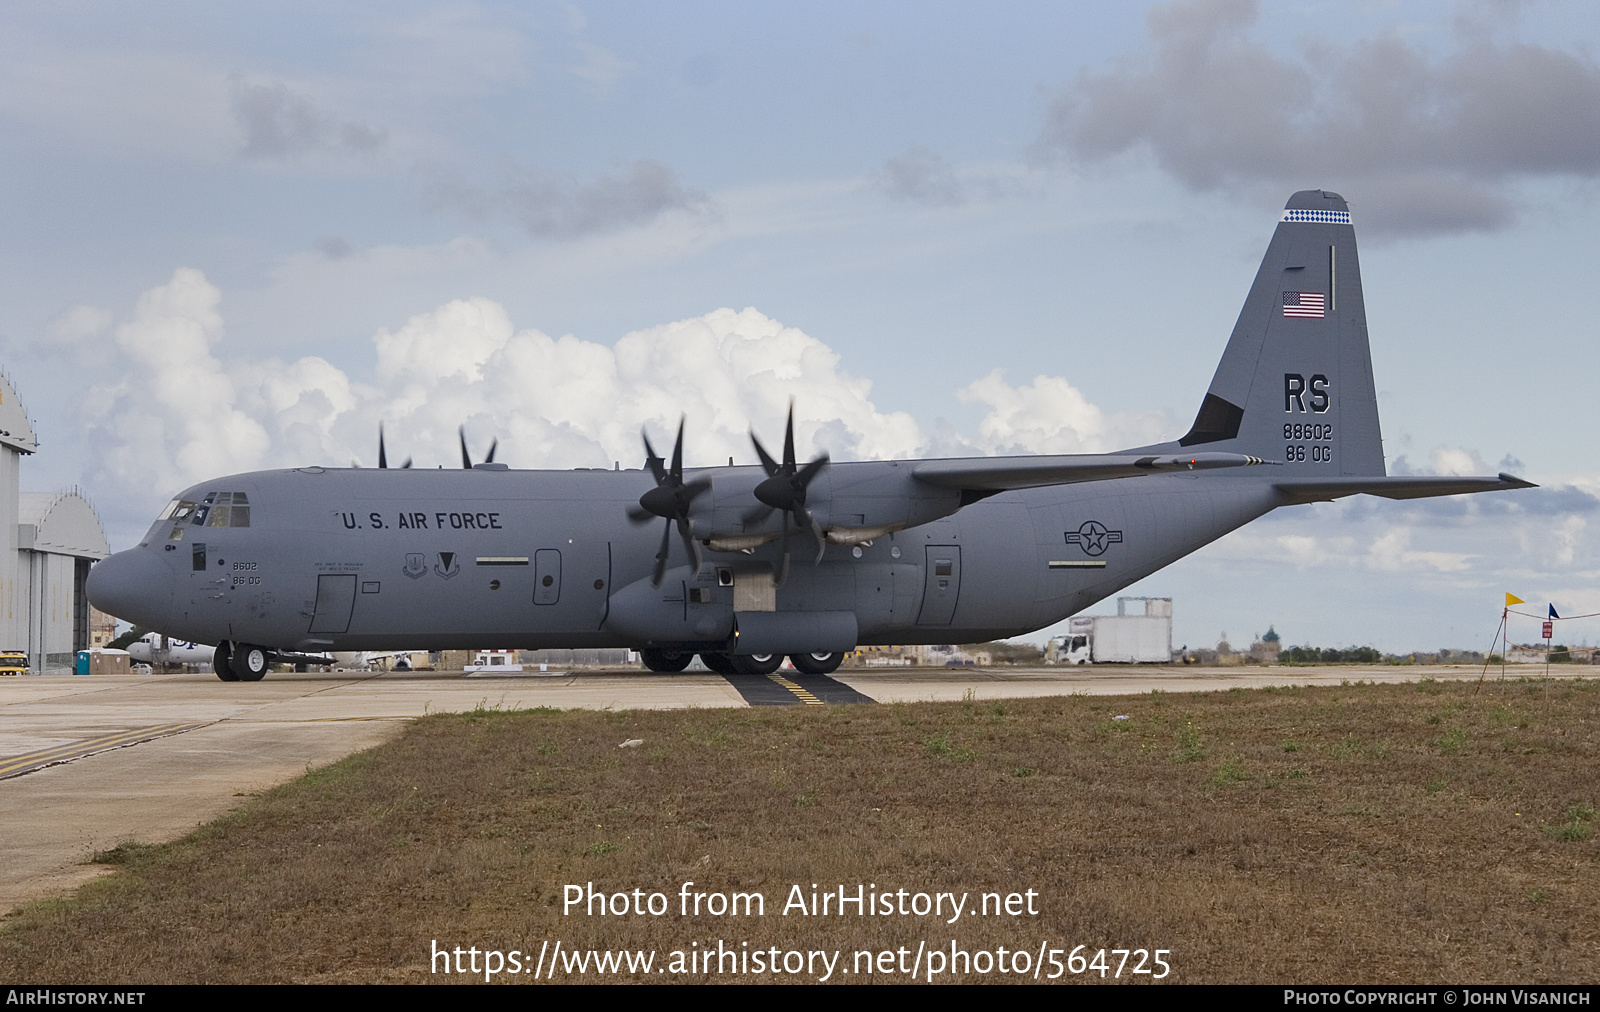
(820,663)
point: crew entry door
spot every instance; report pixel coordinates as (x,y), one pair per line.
(941,585)
(336,599)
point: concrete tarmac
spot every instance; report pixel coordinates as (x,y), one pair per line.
(247,737)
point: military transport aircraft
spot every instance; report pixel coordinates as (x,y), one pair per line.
(899,551)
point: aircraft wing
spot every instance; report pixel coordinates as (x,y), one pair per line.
(1000,474)
(1304,490)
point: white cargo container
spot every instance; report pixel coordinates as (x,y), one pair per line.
(1121,638)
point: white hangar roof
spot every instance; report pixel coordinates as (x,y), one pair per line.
(61,523)
(15,429)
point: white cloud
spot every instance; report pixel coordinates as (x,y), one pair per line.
(1050,415)
(185,409)
(173,414)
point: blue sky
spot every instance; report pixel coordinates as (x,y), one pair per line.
(240,236)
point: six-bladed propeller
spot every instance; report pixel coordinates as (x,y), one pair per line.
(670,499)
(785,490)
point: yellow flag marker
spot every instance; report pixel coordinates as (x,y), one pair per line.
(1512,599)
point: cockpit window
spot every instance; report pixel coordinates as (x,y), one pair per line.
(222,509)
(177,509)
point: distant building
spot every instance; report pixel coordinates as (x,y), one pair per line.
(52,539)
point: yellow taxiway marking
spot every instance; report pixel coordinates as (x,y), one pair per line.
(805,696)
(15,766)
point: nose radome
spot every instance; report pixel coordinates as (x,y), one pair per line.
(135,586)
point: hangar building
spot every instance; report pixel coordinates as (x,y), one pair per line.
(52,538)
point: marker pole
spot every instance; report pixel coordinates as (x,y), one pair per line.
(1490,654)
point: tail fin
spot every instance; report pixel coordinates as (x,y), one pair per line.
(1295,383)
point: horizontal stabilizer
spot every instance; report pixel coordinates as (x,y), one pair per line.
(1000,474)
(1304,490)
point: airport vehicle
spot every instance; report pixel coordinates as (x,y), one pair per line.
(1121,638)
(896,551)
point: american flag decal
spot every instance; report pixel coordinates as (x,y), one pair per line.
(1307,305)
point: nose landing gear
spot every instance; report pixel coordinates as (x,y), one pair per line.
(240,662)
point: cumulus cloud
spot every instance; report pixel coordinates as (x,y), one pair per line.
(281,123)
(173,412)
(546,204)
(1050,415)
(1419,143)
(185,407)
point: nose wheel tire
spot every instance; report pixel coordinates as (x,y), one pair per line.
(665,660)
(249,662)
(817,664)
(220,662)
(756,664)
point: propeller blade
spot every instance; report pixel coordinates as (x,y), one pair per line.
(383,458)
(406,464)
(493,445)
(466,458)
(783,569)
(810,471)
(690,545)
(767,463)
(757,515)
(661,555)
(822,542)
(651,461)
(638,515)
(676,470)
(788,441)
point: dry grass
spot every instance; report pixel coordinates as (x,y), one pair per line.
(1356,834)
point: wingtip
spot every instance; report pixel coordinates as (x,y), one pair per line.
(1514,482)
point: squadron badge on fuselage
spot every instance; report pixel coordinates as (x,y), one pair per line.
(447,566)
(416,565)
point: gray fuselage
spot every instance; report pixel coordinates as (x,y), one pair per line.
(352,559)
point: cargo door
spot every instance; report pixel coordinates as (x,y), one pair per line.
(941,585)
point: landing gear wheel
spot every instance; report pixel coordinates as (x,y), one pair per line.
(722,664)
(756,664)
(665,660)
(825,663)
(249,662)
(221,662)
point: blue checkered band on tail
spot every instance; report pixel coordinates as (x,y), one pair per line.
(1329,217)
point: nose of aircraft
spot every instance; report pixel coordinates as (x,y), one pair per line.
(135,586)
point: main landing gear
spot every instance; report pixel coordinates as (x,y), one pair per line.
(240,662)
(821,663)
(665,660)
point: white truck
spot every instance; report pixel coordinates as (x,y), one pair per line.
(1118,639)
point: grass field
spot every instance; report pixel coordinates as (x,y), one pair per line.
(1364,833)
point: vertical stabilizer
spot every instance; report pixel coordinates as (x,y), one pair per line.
(1295,383)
